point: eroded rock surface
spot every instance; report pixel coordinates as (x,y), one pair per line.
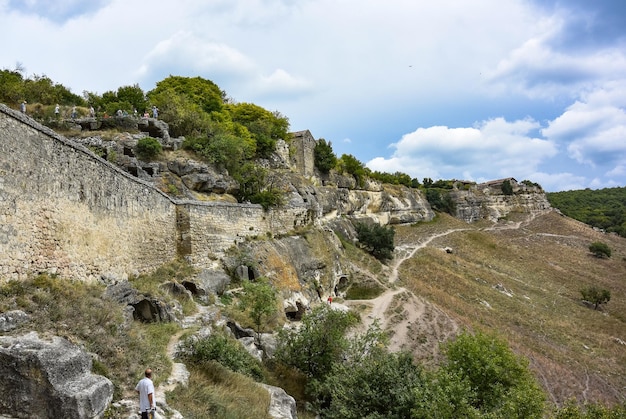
(49,378)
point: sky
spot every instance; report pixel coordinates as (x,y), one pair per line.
(451,89)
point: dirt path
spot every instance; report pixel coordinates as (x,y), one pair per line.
(413,323)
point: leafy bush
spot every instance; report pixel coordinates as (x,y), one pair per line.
(351,165)
(323,156)
(381,385)
(600,249)
(501,383)
(596,295)
(255,187)
(148,148)
(397,178)
(377,239)
(224,350)
(318,343)
(440,201)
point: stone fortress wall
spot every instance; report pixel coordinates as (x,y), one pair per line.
(66,211)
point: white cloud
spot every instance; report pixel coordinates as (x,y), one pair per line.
(560,181)
(594,128)
(493,148)
(191,55)
(540,69)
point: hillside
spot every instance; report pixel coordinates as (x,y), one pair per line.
(602,208)
(516,271)
(522,278)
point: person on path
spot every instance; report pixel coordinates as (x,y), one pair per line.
(145,389)
(57,109)
(155,112)
(23,107)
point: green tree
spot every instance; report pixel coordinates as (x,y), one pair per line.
(377,239)
(501,382)
(265,127)
(596,295)
(507,188)
(134,96)
(201,92)
(600,249)
(351,165)
(323,156)
(256,186)
(318,343)
(259,301)
(11,87)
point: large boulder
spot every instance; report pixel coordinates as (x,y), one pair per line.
(282,405)
(49,378)
(145,308)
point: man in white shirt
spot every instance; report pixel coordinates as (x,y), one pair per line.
(145,388)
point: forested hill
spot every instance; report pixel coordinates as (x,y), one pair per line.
(602,208)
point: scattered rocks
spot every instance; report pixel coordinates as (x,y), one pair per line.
(12,319)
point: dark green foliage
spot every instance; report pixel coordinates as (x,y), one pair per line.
(255,187)
(501,382)
(443,184)
(352,166)
(319,342)
(602,208)
(323,156)
(134,96)
(381,385)
(148,148)
(224,350)
(36,89)
(440,201)
(376,239)
(532,184)
(507,188)
(600,249)
(397,178)
(596,295)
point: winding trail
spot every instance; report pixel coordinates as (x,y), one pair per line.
(413,323)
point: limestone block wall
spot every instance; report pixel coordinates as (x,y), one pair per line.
(215,227)
(303,145)
(64,210)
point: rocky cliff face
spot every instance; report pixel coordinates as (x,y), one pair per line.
(477,204)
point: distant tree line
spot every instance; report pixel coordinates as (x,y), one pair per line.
(602,208)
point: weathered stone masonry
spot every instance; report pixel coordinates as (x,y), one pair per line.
(67,211)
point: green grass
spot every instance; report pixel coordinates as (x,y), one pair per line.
(76,311)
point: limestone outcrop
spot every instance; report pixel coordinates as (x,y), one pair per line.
(479,204)
(49,378)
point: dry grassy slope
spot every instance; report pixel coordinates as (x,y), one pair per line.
(525,284)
